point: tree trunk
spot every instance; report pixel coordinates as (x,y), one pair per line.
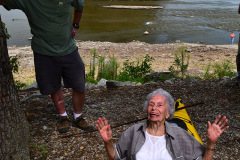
(14,129)
(238,56)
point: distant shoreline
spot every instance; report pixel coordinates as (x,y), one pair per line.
(78,42)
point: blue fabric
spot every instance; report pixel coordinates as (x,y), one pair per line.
(232,40)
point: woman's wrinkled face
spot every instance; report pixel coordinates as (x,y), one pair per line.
(157,109)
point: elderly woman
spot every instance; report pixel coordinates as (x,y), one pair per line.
(156,139)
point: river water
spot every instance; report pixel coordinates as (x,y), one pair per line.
(193,21)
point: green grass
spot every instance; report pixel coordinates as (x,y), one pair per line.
(108,68)
(219,70)
(181,62)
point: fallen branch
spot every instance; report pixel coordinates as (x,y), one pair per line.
(134,121)
(133,7)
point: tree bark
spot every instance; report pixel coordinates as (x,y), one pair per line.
(14,128)
(238,55)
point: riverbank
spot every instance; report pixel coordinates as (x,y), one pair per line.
(200,55)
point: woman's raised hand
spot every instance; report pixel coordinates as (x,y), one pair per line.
(216,129)
(104,129)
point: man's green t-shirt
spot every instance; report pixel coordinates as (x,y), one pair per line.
(51,24)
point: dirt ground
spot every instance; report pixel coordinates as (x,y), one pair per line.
(122,106)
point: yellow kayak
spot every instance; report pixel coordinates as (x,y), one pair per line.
(182,119)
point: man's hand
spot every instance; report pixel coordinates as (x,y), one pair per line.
(74,32)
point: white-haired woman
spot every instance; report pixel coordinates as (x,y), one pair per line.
(156,139)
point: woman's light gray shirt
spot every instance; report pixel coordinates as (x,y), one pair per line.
(180,144)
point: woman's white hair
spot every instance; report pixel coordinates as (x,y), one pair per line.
(165,94)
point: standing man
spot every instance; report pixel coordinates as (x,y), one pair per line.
(232,35)
(56,55)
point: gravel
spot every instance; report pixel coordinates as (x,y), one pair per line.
(123,107)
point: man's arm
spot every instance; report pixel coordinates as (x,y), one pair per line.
(2,2)
(77,17)
(76,20)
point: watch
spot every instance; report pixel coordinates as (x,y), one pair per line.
(75,25)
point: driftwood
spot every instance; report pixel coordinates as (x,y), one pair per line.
(132,7)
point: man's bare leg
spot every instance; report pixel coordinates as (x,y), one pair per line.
(78,99)
(57,98)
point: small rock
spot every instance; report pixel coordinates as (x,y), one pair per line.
(101,83)
(34,85)
(44,127)
(146,33)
